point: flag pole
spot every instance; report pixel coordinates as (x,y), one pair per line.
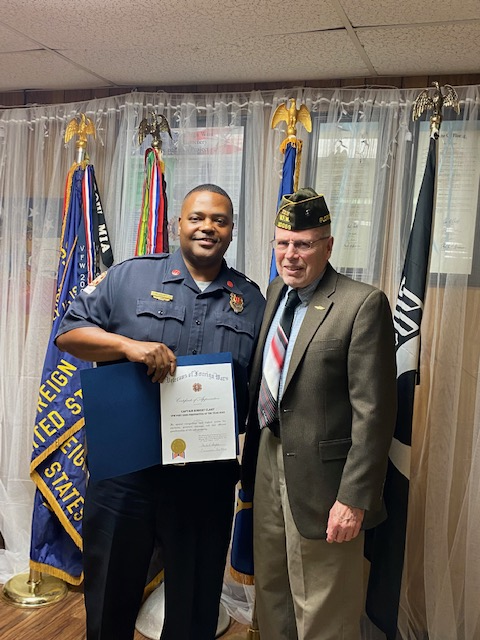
(152,237)
(35,589)
(385,545)
(291,148)
(152,232)
(292,116)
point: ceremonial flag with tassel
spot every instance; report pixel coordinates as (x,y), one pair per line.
(58,460)
(385,545)
(152,234)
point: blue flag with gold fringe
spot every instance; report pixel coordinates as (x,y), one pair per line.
(385,545)
(241,556)
(58,465)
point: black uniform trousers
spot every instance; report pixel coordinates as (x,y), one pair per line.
(190,510)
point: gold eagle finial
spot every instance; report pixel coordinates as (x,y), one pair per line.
(292,116)
(153,124)
(82,127)
(436,102)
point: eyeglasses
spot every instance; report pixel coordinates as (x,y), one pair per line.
(299,246)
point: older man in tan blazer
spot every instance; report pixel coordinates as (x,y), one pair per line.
(319,443)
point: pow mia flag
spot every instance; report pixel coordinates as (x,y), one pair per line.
(385,545)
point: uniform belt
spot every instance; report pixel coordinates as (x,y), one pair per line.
(275,428)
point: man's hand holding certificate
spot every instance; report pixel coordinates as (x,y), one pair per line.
(197,410)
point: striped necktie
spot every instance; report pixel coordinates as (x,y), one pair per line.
(272,368)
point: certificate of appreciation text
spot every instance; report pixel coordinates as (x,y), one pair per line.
(197,410)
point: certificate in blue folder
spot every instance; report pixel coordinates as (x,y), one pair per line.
(122,415)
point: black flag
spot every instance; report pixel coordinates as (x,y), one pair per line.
(385,545)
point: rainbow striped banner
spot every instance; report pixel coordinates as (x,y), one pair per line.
(152,233)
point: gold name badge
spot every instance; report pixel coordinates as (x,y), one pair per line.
(159,295)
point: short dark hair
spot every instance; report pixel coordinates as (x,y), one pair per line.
(213,188)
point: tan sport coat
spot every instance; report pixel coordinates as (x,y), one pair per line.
(337,413)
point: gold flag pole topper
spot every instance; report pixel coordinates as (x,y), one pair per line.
(154,124)
(292,116)
(436,102)
(82,127)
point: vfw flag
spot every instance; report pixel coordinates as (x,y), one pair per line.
(385,545)
(58,459)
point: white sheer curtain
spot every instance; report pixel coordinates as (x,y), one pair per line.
(364,155)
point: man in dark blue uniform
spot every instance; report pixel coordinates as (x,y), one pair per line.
(150,309)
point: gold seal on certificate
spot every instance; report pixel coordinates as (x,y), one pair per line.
(178,447)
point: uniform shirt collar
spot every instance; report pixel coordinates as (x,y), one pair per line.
(177,269)
(226,279)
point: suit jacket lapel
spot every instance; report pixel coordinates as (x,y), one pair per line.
(317,311)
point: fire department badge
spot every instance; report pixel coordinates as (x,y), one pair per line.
(236,302)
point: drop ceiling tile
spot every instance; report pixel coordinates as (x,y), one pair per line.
(42,70)
(423,50)
(389,12)
(329,54)
(115,23)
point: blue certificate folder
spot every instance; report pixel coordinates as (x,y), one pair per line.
(122,415)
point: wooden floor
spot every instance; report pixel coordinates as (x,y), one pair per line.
(65,621)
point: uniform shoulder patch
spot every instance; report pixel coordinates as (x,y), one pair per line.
(93,284)
(99,278)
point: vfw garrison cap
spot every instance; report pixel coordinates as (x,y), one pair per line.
(304,209)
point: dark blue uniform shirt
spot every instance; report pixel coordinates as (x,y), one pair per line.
(154,298)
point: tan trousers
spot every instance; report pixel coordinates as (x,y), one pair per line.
(305,589)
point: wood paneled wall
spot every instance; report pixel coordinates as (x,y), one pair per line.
(30,96)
